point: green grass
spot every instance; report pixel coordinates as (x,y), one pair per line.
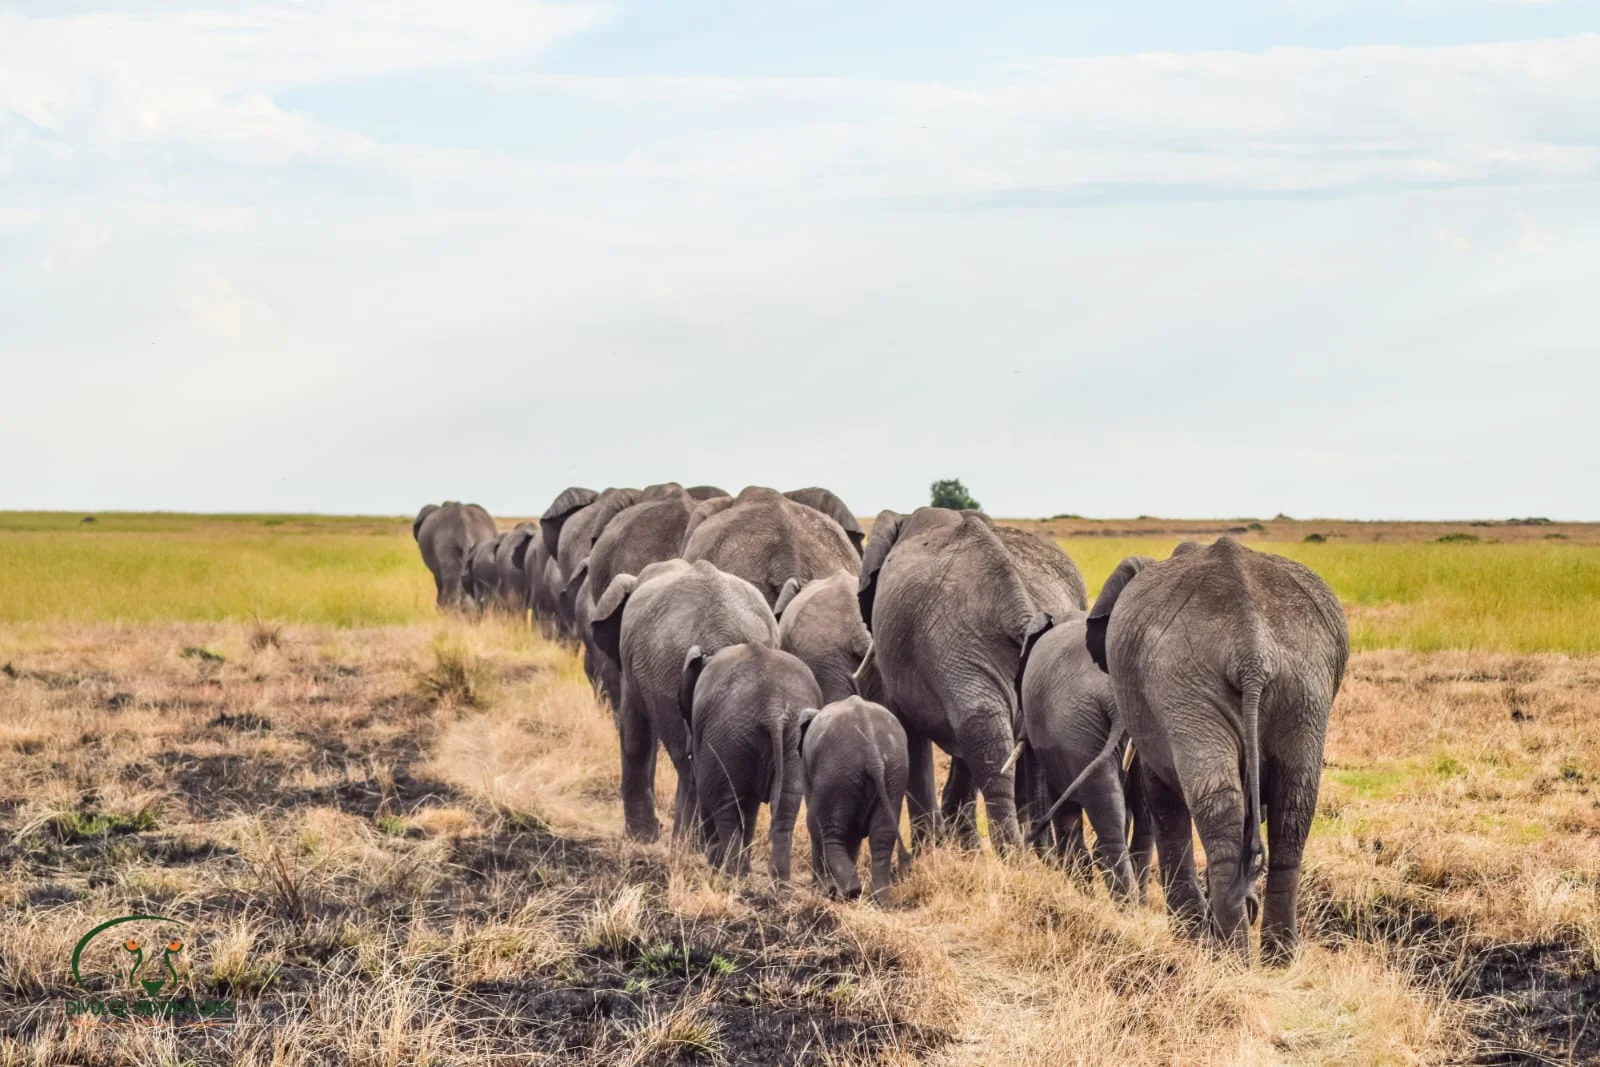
(147,568)
(1429,596)
(365,571)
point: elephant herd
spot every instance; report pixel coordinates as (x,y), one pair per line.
(779,655)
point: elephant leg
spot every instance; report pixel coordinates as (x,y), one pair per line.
(885,832)
(1144,838)
(638,738)
(749,808)
(958,806)
(1175,851)
(1072,849)
(919,789)
(819,868)
(842,856)
(689,821)
(1291,796)
(1218,805)
(986,745)
(1109,817)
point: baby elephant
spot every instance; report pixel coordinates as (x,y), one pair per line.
(854,754)
(741,707)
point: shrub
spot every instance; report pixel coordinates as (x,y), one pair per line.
(1459,539)
(1315,538)
(950,493)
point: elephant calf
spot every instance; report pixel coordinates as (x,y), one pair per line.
(820,622)
(856,768)
(1068,714)
(741,707)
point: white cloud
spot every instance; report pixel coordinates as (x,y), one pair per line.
(1222,282)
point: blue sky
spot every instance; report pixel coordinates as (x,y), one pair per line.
(1303,256)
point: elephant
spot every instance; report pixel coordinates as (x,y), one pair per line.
(820,621)
(825,501)
(1068,714)
(542,575)
(576,541)
(480,575)
(705,492)
(567,503)
(741,708)
(645,533)
(948,597)
(856,767)
(511,585)
(766,538)
(647,623)
(1225,663)
(446,533)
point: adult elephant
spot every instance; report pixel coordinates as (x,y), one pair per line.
(647,532)
(1225,662)
(511,587)
(766,538)
(648,623)
(825,501)
(576,541)
(446,533)
(948,597)
(820,621)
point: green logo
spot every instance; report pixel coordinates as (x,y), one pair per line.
(147,960)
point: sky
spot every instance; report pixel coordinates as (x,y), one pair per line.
(1235,259)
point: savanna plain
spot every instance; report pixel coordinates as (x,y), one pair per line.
(394,838)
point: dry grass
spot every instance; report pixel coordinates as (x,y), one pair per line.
(379,874)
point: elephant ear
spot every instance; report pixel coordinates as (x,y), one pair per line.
(416,524)
(519,548)
(606,624)
(703,511)
(786,594)
(693,664)
(574,586)
(803,722)
(885,531)
(1183,548)
(819,499)
(1100,614)
(560,510)
(1037,627)
(612,503)
(706,492)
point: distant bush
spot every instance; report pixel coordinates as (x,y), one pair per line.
(1316,538)
(1068,515)
(1555,537)
(950,493)
(1459,539)
(1256,526)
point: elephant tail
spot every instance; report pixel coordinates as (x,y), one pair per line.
(1252,679)
(876,770)
(778,769)
(1107,753)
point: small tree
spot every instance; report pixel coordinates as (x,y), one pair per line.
(950,493)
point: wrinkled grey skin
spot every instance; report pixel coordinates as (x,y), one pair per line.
(856,767)
(820,621)
(576,541)
(445,534)
(540,574)
(742,708)
(705,492)
(766,539)
(648,624)
(948,597)
(1225,662)
(511,586)
(567,503)
(825,501)
(480,577)
(1068,713)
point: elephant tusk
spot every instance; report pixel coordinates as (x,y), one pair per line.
(1127,758)
(867,660)
(1011,760)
